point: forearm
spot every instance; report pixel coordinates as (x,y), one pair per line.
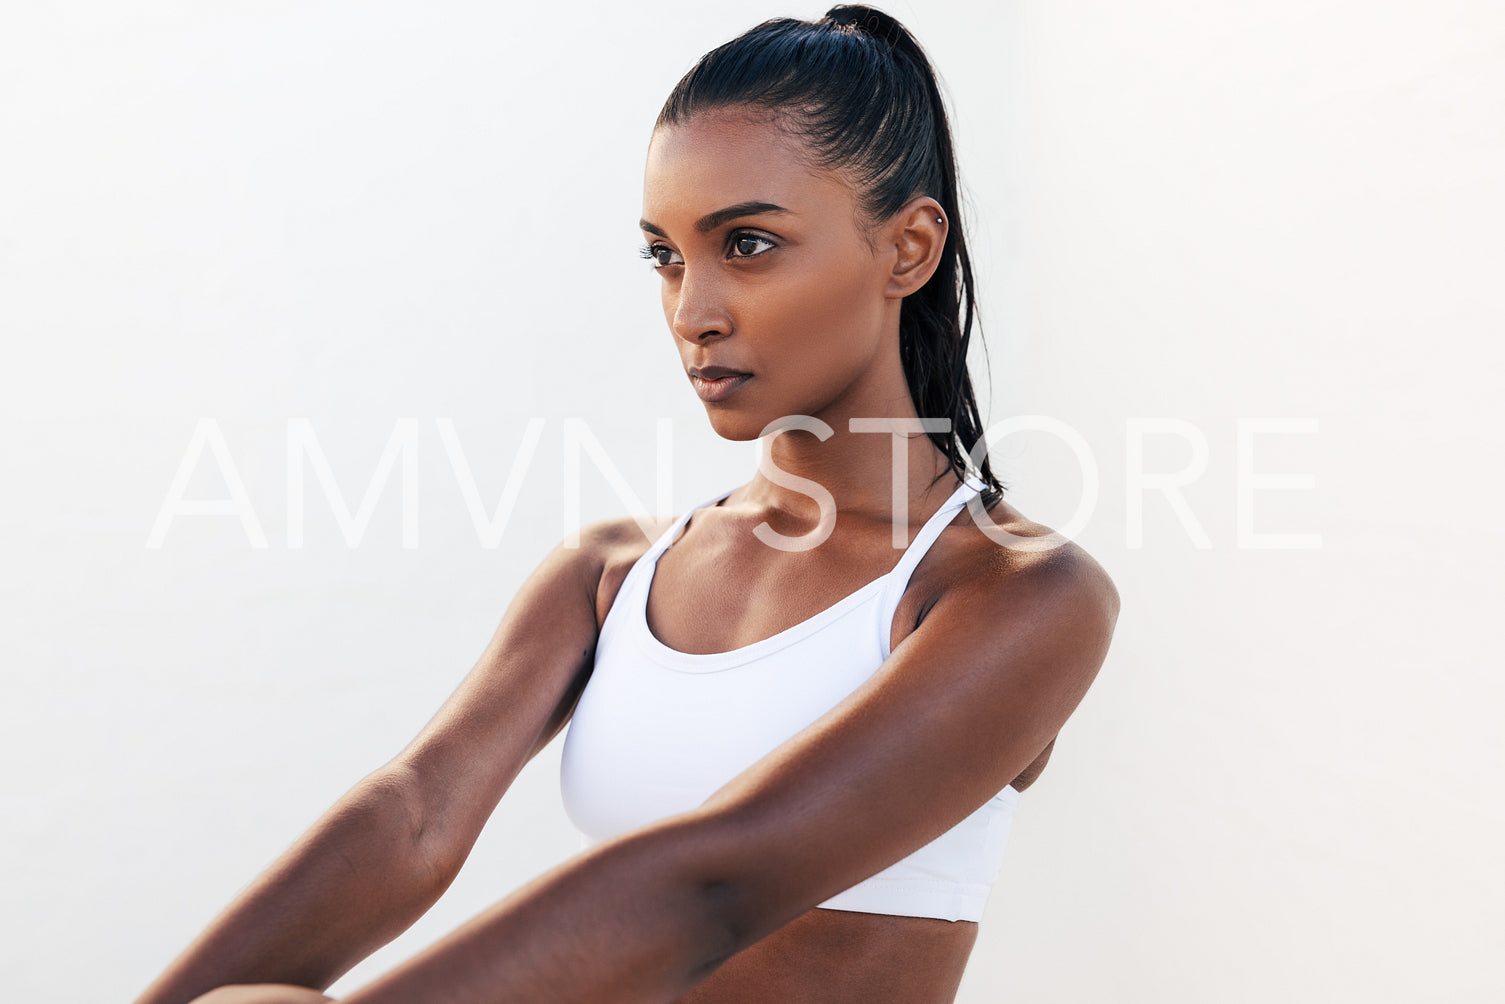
(349,885)
(636,919)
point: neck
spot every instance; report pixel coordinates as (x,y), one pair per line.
(880,470)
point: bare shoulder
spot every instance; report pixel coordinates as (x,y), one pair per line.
(1013,557)
(609,548)
(1013,563)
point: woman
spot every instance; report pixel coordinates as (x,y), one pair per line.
(800,735)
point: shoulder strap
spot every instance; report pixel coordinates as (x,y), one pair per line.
(643,567)
(898,577)
(920,546)
(668,536)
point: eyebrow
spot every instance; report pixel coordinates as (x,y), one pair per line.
(710,221)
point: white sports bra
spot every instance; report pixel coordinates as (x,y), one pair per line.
(657,731)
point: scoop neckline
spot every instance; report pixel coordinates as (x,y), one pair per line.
(707,662)
(711,661)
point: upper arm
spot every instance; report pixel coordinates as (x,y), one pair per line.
(965,702)
(516,697)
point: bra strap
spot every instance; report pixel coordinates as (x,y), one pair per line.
(898,577)
(667,537)
(920,546)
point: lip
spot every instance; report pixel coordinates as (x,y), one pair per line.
(715,372)
(716,383)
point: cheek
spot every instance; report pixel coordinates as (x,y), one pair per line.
(835,309)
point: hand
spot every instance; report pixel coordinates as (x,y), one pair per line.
(261,993)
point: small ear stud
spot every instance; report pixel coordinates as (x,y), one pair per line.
(940,219)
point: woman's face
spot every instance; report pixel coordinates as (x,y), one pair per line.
(766,272)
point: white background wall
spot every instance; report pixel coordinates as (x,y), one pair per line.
(1284,784)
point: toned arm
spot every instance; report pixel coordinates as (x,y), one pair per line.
(963,705)
(386,851)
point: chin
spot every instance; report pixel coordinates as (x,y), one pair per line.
(734,427)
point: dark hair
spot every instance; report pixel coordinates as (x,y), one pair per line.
(856,87)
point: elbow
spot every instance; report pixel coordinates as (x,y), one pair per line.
(681,882)
(726,930)
(730,901)
(390,802)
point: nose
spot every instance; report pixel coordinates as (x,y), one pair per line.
(696,307)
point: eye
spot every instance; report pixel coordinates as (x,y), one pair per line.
(745,245)
(661,255)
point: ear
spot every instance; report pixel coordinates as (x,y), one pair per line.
(917,233)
